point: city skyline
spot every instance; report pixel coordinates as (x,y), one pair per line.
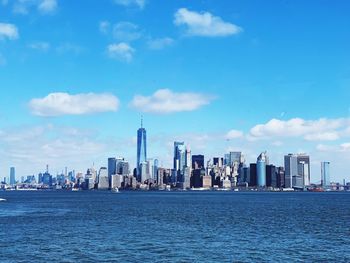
(73,92)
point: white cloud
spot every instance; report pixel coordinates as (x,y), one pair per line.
(47,6)
(39,45)
(204,24)
(121,51)
(43,6)
(322,129)
(234,134)
(322,136)
(126,31)
(8,31)
(165,101)
(104,27)
(160,43)
(138,3)
(57,104)
(37,146)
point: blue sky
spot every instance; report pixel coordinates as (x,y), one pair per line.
(75,77)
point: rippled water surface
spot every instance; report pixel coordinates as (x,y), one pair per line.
(174,227)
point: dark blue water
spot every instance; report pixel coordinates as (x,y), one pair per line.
(174,227)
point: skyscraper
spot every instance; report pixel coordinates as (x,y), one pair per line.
(12,176)
(291,169)
(141,149)
(304,168)
(261,169)
(197,161)
(179,155)
(325,174)
(297,173)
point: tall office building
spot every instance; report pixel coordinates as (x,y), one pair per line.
(103,179)
(261,162)
(179,155)
(291,169)
(325,174)
(112,167)
(155,169)
(271,176)
(252,175)
(197,161)
(233,157)
(141,149)
(12,176)
(304,168)
(297,170)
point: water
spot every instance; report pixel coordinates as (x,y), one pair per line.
(174,227)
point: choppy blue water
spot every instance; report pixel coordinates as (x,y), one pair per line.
(174,227)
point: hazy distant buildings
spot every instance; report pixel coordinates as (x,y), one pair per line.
(325,174)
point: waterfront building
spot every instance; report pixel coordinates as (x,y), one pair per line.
(297,170)
(117,181)
(261,169)
(187,178)
(271,176)
(246,174)
(291,169)
(143,174)
(280,177)
(155,169)
(12,176)
(103,179)
(206,181)
(141,149)
(325,174)
(226,183)
(253,175)
(304,168)
(196,179)
(112,166)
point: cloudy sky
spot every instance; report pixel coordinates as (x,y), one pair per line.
(75,77)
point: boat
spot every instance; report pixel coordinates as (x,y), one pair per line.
(2,200)
(115,190)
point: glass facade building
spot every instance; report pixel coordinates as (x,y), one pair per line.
(261,170)
(141,149)
(325,174)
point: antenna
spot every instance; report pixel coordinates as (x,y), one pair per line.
(141,121)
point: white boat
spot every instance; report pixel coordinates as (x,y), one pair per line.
(2,200)
(115,190)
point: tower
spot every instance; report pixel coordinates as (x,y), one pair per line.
(141,148)
(261,169)
(12,176)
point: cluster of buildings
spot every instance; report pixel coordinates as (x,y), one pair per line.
(226,172)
